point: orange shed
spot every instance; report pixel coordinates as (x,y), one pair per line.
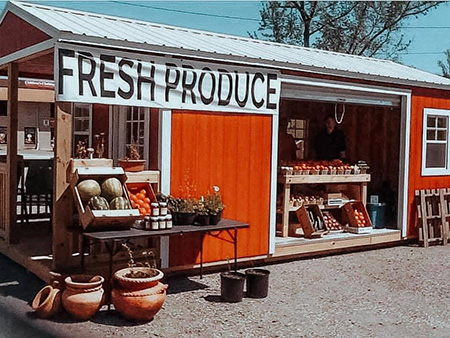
(208,109)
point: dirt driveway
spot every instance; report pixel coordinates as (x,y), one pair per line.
(394,292)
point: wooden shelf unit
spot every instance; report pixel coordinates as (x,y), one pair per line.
(356,183)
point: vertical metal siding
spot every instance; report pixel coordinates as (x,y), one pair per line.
(422,98)
(232,151)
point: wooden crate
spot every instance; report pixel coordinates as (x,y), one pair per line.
(311,229)
(352,226)
(96,220)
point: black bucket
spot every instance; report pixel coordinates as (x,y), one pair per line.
(232,286)
(257,283)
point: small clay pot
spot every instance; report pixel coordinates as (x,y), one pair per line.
(83,295)
(138,299)
(47,302)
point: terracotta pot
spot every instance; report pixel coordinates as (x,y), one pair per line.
(47,302)
(83,295)
(138,299)
(132,165)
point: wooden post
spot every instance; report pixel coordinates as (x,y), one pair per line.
(62,197)
(285,215)
(12,228)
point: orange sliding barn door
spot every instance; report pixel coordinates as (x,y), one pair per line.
(232,151)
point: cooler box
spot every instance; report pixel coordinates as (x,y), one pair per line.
(376,213)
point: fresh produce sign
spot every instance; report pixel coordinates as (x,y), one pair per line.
(97,75)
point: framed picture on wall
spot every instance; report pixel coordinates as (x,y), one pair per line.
(3,135)
(29,136)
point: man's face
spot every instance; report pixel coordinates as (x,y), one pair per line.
(330,124)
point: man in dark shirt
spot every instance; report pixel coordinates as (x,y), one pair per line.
(329,144)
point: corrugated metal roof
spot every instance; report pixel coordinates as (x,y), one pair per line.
(81,26)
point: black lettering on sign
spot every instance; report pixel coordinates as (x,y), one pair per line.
(224,101)
(82,57)
(270,90)
(63,71)
(188,87)
(127,78)
(146,79)
(104,75)
(207,100)
(174,84)
(242,102)
(258,104)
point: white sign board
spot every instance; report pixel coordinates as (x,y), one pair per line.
(94,75)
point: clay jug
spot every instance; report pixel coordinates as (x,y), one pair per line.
(83,296)
(47,301)
(137,293)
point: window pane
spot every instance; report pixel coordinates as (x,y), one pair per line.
(300,123)
(431,135)
(442,135)
(299,134)
(431,121)
(436,155)
(442,122)
(135,113)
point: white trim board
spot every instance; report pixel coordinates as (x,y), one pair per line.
(164,163)
(273,186)
(405,104)
(434,171)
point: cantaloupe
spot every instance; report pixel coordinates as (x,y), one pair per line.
(88,189)
(112,188)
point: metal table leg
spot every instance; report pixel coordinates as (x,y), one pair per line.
(201,254)
(235,249)
(110,248)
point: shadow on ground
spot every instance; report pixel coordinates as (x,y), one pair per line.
(17,282)
(183,284)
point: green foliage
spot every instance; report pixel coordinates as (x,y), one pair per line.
(445,65)
(366,28)
(213,203)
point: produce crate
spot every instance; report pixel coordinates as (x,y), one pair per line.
(311,220)
(353,227)
(97,220)
(136,187)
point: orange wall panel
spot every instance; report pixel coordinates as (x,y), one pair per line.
(232,151)
(422,98)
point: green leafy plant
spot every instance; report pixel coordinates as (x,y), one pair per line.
(149,272)
(133,152)
(213,202)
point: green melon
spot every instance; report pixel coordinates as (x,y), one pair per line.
(98,203)
(88,189)
(112,188)
(119,203)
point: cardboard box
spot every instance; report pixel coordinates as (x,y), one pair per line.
(97,220)
(349,209)
(314,225)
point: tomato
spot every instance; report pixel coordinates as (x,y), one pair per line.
(141,203)
(148,200)
(143,191)
(141,196)
(142,211)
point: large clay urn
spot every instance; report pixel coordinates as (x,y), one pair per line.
(137,293)
(47,301)
(83,295)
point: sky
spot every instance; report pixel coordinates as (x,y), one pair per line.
(430,34)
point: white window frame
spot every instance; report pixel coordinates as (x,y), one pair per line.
(118,134)
(74,132)
(435,171)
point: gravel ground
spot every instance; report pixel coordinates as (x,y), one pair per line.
(394,292)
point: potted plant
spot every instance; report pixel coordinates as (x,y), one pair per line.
(137,292)
(183,210)
(132,162)
(214,206)
(202,217)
